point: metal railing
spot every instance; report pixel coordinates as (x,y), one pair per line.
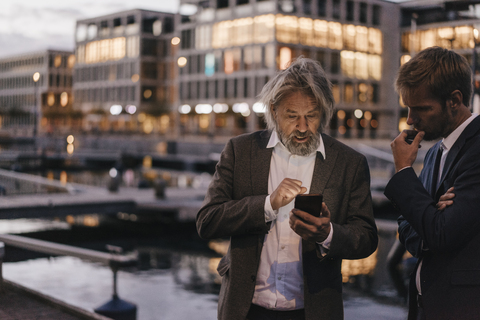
(114,259)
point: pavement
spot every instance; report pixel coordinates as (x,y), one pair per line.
(20,303)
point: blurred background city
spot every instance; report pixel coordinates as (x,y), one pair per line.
(113,116)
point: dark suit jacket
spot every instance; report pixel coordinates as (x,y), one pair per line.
(450,271)
(234,207)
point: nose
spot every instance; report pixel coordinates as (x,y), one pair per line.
(411,119)
(302,124)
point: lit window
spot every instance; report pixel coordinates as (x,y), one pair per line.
(287,27)
(361,65)
(232,60)
(118,48)
(335,40)
(71,61)
(57,62)
(285,58)
(375,66)
(404,59)
(242,31)
(263,28)
(321,33)
(348,63)
(203,37)
(50,99)
(306,31)
(221,34)
(375,41)
(361,39)
(349,33)
(64,99)
(133,46)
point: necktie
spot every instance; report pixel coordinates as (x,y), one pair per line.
(438,169)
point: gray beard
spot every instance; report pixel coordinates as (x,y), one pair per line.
(300,149)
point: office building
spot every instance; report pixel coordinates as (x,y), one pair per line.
(230,48)
(449,24)
(36,94)
(124,78)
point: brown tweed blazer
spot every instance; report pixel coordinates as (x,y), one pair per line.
(234,208)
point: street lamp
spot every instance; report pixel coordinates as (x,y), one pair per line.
(36,77)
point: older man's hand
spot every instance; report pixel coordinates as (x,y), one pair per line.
(286,191)
(309,227)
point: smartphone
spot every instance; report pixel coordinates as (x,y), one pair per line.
(411,134)
(310,203)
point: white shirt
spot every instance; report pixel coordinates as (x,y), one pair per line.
(279,282)
(446,144)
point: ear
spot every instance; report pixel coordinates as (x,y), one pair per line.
(456,99)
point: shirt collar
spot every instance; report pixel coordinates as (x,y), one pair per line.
(452,137)
(274,140)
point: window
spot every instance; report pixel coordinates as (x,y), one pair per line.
(239,2)
(117,22)
(147,25)
(168,25)
(186,39)
(307,6)
(320,57)
(335,62)
(363,12)
(222,4)
(149,47)
(350,10)
(336,9)
(149,70)
(322,8)
(376,15)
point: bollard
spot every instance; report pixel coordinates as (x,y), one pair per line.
(116,308)
(2,254)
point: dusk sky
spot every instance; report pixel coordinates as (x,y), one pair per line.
(32,25)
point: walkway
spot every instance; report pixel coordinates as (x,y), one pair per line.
(20,303)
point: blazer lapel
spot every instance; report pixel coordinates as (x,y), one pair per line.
(471,130)
(323,167)
(260,163)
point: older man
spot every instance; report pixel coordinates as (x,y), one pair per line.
(284,263)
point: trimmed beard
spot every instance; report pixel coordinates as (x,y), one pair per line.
(300,149)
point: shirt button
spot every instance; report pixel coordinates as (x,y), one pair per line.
(282,247)
(279,278)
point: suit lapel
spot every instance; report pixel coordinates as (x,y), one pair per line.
(260,163)
(323,167)
(471,130)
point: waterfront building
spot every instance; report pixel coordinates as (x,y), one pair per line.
(125,70)
(36,94)
(230,48)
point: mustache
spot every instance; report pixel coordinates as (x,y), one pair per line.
(299,134)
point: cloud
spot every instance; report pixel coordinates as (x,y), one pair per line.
(15,44)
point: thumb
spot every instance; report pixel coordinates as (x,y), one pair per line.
(325,211)
(303,190)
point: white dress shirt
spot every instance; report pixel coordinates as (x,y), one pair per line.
(279,282)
